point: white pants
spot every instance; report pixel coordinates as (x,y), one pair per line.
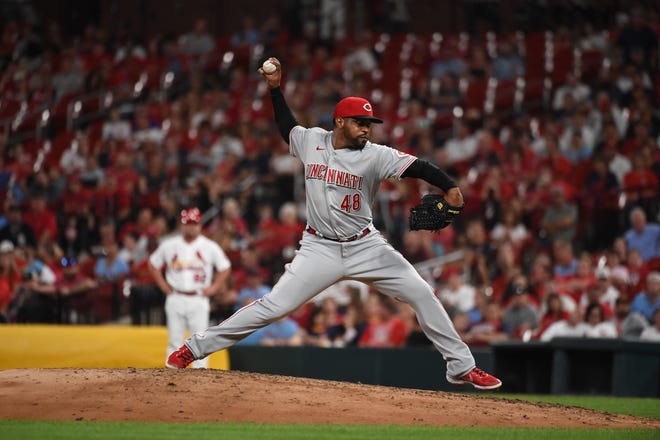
(186,313)
(320,263)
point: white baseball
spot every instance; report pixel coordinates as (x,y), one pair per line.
(268,67)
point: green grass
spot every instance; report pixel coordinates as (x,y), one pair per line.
(201,431)
(633,406)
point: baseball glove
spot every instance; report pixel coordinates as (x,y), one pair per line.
(433,214)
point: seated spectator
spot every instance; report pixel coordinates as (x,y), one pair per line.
(18,232)
(520,318)
(627,323)
(115,128)
(254,289)
(652,333)
(384,328)
(10,279)
(577,284)
(643,236)
(350,330)
(637,272)
(553,312)
(510,230)
(596,324)
(284,332)
(41,219)
(110,268)
(571,327)
(560,218)
(316,332)
(578,91)
(603,291)
(507,64)
(37,297)
(457,295)
(144,296)
(565,261)
(647,301)
(75,290)
(489,329)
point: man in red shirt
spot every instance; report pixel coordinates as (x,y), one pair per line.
(41,219)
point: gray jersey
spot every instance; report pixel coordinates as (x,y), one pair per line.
(341,185)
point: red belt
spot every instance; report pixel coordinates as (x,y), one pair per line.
(339,240)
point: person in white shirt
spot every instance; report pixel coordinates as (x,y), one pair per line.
(652,333)
(196,268)
(457,294)
(566,328)
(595,324)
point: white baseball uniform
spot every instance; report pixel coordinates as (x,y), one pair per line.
(342,243)
(189,268)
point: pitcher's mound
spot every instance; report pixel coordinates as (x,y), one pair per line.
(232,396)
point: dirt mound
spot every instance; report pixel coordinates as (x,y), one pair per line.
(232,396)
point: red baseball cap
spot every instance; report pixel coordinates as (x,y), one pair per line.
(190,215)
(355,107)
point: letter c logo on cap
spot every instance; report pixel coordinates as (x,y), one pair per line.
(367,107)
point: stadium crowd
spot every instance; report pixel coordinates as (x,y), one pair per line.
(560,232)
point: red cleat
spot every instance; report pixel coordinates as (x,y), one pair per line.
(180,358)
(478,379)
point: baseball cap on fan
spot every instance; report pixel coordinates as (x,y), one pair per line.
(357,108)
(191,215)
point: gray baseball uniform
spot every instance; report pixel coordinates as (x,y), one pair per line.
(342,243)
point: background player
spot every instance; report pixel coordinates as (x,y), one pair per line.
(190,261)
(343,171)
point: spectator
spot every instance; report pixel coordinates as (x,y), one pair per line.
(602,292)
(75,290)
(349,331)
(41,219)
(457,295)
(646,302)
(565,261)
(110,268)
(560,218)
(489,329)
(10,278)
(554,312)
(520,318)
(284,332)
(36,300)
(384,327)
(573,87)
(68,79)
(199,41)
(642,236)
(507,64)
(652,333)
(254,289)
(566,328)
(116,128)
(596,324)
(628,324)
(19,233)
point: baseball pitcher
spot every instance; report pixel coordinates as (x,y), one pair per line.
(343,171)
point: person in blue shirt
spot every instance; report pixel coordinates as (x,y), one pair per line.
(253,290)
(646,302)
(642,236)
(283,332)
(110,268)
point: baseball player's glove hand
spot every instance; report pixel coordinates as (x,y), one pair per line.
(433,214)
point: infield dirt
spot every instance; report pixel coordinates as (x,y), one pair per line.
(232,396)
